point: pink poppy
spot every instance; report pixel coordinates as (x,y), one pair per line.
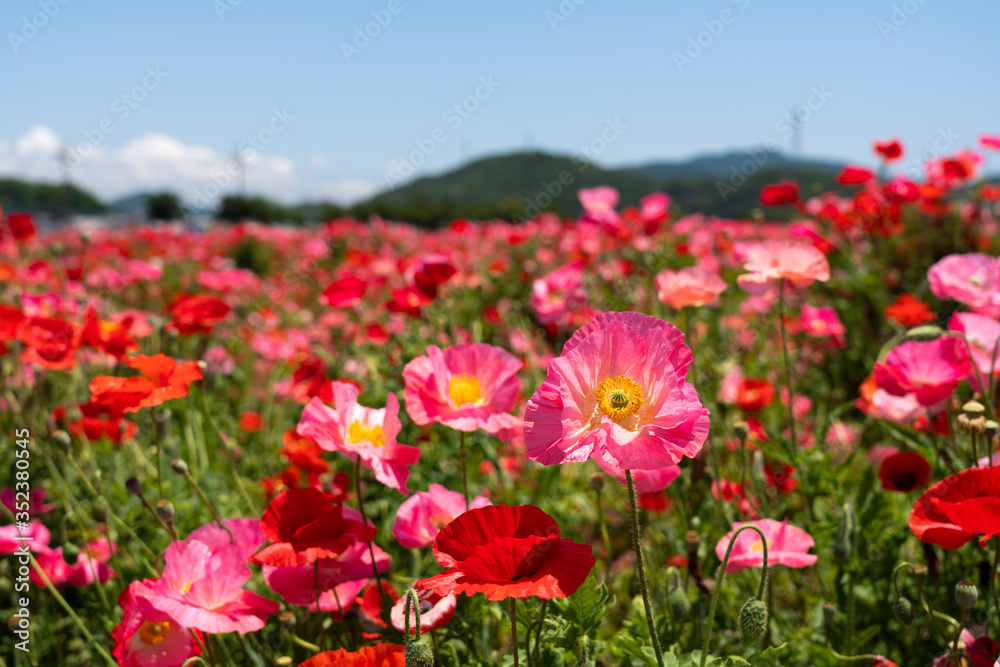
(972,279)
(930,370)
(425,513)
(357,431)
(822,322)
(983,333)
(37,532)
(88,568)
(341,579)
(36,504)
(146,636)
(770,261)
(557,294)
(467,386)
(202,589)
(654,207)
(599,205)
(786,545)
(897,409)
(646,481)
(618,391)
(991,141)
(435,611)
(692,286)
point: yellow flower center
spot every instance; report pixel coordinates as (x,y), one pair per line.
(358,432)
(759,546)
(154,634)
(187,587)
(439,521)
(463,389)
(619,398)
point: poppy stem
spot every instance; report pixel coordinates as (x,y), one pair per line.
(722,577)
(513,627)
(641,572)
(953,658)
(604,535)
(364,520)
(411,595)
(461,465)
(157,437)
(788,366)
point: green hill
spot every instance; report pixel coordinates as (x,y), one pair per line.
(18,195)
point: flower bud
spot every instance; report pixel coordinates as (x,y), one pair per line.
(283,661)
(179,467)
(829,612)
(742,429)
(70,553)
(990,429)
(903,609)
(99,510)
(925,334)
(753,621)
(134,486)
(966,594)
(287,620)
(165,510)
(61,440)
(973,409)
(843,545)
(419,654)
(680,605)
(597,481)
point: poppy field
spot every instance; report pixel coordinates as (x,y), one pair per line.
(632,438)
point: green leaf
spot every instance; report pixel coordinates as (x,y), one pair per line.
(768,657)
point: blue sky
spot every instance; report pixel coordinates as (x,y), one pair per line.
(348,111)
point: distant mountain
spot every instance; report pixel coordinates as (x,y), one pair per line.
(722,165)
(16,195)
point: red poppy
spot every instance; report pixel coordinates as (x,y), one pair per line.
(781,476)
(303,526)
(250,421)
(408,300)
(109,337)
(433,271)
(982,651)
(344,293)
(375,333)
(120,394)
(171,378)
(197,313)
(11,319)
(904,471)
(785,192)
(49,342)
(304,453)
(370,607)
(852,175)
(956,509)
(909,311)
(103,420)
(754,394)
(882,661)
(380,655)
(505,552)
(22,227)
(889,150)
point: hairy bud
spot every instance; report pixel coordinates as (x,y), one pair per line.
(753,621)
(903,610)
(925,334)
(419,654)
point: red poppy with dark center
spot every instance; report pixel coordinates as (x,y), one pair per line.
(197,313)
(344,293)
(49,342)
(380,655)
(303,526)
(956,509)
(754,394)
(904,471)
(171,378)
(506,552)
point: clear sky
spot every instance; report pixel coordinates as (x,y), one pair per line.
(179,85)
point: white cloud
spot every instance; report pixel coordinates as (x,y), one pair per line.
(348,191)
(39,139)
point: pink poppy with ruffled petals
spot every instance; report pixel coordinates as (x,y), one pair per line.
(357,431)
(618,391)
(468,386)
(422,516)
(692,286)
(771,261)
(983,334)
(786,545)
(146,636)
(972,279)
(930,370)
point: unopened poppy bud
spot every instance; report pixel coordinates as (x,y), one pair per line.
(925,333)
(990,429)
(680,605)
(287,620)
(966,594)
(829,612)
(165,510)
(283,661)
(419,654)
(753,621)
(903,609)
(597,482)
(71,553)
(99,510)
(741,429)
(61,440)
(843,546)
(134,486)
(179,467)
(973,409)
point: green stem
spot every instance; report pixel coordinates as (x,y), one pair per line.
(650,620)
(513,627)
(211,508)
(722,577)
(364,520)
(954,659)
(604,536)
(157,436)
(788,366)
(461,465)
(411,597)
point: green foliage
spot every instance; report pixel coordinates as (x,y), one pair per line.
(164,206)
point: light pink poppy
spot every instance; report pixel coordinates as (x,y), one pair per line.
(599,205)
(146,636)
(786,545)
(557,294)
(983,333)
(646,481)
(357,431)
(821,322)
(897,409)
(930,370)
(972,279)
(770,261)
(425,513)
(618,391)
(341,579)
(11,538)
(468,386)
(435,611)
(654,207)
(692,286)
